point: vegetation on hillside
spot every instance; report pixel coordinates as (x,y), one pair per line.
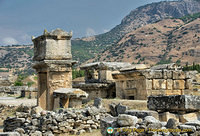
(19,82)
(192,67)
(77,73)
(190,18)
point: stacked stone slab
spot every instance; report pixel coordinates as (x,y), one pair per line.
(168,79)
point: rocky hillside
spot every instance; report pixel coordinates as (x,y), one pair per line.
(169,40)
(141,16)
(16,59)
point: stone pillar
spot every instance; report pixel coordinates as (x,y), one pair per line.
(52,56)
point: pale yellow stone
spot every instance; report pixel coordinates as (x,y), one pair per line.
(167,115)
(179,84)
(159,84)
(169,84)
(189,117)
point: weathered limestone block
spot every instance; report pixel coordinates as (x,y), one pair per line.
(167,74)
(179,84)
(156,92)
(188,84)
(120,89)
(150,120)
(149,84)
(189,117)
(191,74)
(45,46)
(169,84)
(159,84)
(126,120)
(189,92)
(146,73)
(174,92)
(142,113)
(165,116)
(178,74)
(156,74)
(174,103)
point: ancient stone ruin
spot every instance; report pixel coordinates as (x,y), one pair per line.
(98,79)
(139,81)
(53,63)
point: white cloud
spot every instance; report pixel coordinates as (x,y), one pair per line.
(9,41)
(105,30)
(25,37)
(90,32)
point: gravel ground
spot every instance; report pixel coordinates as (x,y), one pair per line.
(16,102)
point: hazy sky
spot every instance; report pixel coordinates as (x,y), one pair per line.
(20,19)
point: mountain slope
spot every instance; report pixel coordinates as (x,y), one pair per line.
(16,59)
(141,16)
(169,40)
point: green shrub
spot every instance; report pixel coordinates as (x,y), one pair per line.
(77,73)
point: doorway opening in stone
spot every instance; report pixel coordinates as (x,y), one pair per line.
(131,98)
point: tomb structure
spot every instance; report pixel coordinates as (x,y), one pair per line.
(53,63)
(98,79)
(138,82)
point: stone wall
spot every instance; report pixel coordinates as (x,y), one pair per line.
(131,88)
(138,84)
(18,91)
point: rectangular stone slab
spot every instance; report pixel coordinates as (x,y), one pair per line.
(174,103)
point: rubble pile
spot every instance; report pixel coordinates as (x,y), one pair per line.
(176,115)
(73,121)
(127,125)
